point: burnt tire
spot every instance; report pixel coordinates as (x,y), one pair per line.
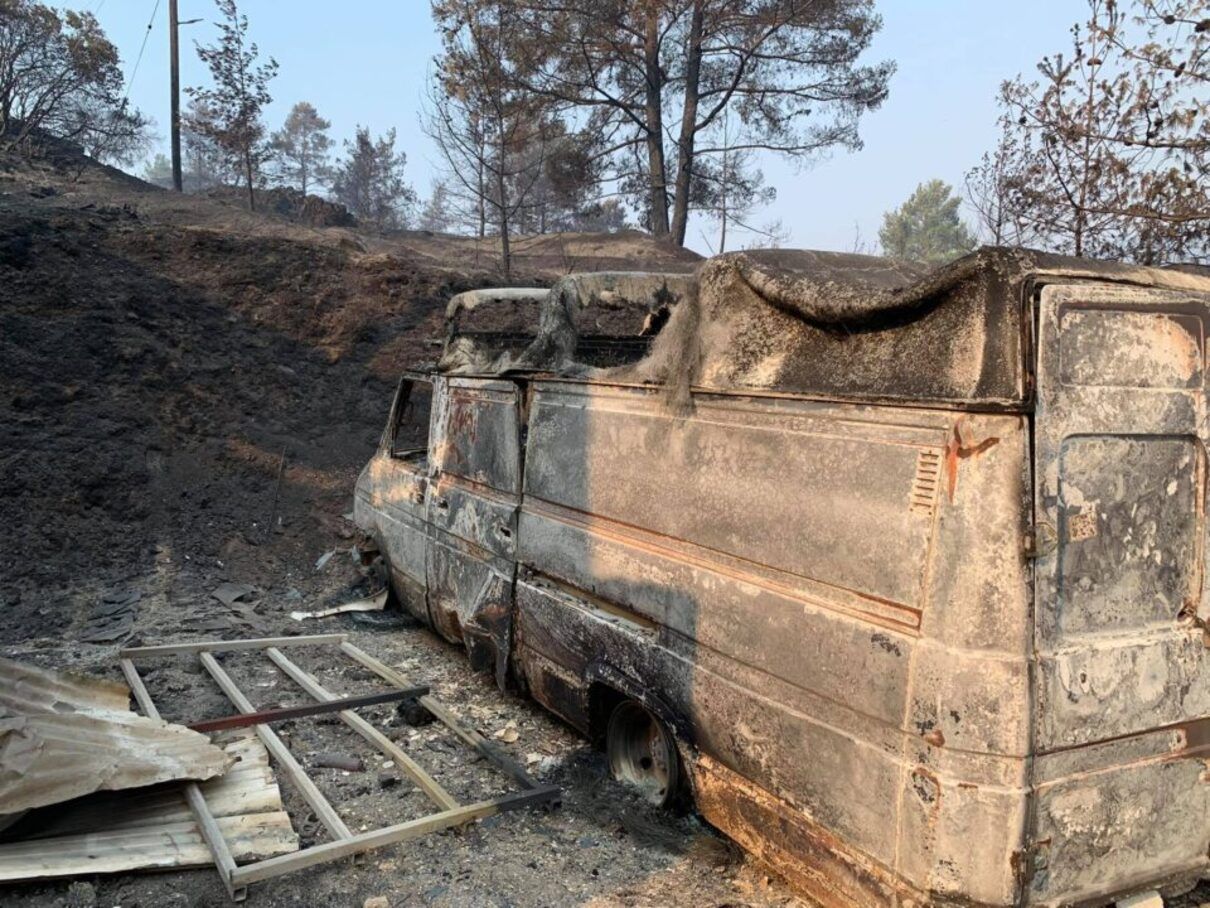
(642,754)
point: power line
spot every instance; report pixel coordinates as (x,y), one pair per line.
(139,59)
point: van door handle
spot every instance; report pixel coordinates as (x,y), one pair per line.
(443,504)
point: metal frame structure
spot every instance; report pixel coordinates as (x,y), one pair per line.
(345,843)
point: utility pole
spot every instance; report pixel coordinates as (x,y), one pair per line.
(174,54)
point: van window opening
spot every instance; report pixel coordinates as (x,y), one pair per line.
(411,437)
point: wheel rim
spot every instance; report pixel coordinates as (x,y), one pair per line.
(642,753)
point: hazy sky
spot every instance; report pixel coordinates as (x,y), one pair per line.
(366,61)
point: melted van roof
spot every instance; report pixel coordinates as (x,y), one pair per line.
(852,326)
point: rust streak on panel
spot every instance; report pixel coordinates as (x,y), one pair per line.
(957,449)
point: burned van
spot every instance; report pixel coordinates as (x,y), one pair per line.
(898,575)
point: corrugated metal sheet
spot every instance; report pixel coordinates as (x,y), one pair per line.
(64,735)
(154,829)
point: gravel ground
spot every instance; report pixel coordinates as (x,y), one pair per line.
(601,847)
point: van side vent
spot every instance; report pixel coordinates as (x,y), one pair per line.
(927,481)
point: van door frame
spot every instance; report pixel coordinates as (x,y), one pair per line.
(402,497)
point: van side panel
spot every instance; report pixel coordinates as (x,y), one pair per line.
(389,504)
(967,731)
(818,595)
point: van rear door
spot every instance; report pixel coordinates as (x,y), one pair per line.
(1122,687)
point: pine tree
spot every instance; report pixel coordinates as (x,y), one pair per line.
(370,182)
(230,113)
(653,78)
(926,228)
(301,148)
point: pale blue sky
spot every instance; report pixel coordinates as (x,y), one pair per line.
(366,61)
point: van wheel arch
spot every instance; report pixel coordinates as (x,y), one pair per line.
(644,755)
(607,687)
(604,699)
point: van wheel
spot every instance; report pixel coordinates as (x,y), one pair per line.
(642,753)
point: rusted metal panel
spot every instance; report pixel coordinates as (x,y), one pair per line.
(472,518)
(391,499)
(476,513)
(1128,812)
(121,832)
(828,674)
(63,735)
(802,850)
(402,538)
(475,434)
(470,600)
(785,735)
(711,480)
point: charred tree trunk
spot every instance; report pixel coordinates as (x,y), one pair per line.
(248,173)
(722,230)
(502,198)
(656,165)
(688,135)
(506,254)
(480,204)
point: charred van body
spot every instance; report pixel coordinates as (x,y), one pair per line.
(900,574)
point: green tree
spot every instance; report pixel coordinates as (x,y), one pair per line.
(301,147)
(926,228)
(229,114)
(370,182)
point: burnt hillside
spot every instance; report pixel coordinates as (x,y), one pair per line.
(159,353)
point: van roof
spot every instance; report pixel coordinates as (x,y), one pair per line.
(852,326)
